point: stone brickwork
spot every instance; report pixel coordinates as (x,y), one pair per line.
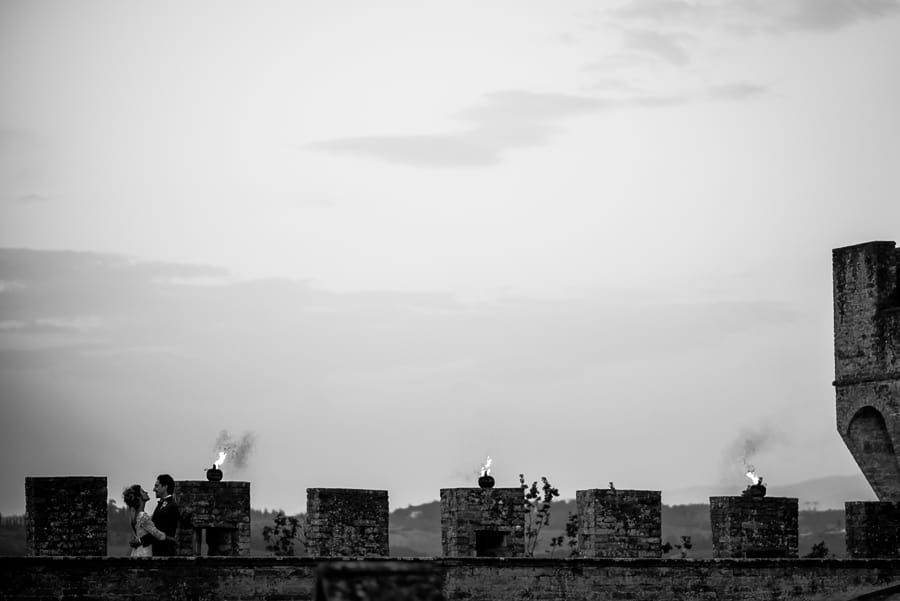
(295,578)
(482,522)
(873,529)
(866,281)
(66,515)
(347,522)
(379,581)
(754,527)
(214,517)
(619,523)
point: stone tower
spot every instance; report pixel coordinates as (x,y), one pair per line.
(746,526)
(66,515)
(347,522)
(214,513)
(867,359)
(482,522)
(619,523)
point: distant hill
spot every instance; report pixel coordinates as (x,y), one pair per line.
(416,531)
(820,493)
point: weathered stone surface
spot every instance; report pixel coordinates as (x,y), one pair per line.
(469,579)
(488,522)
(379,581)
(873,529)
(866,281)
(347,522)
(754,527)
(619,523)
(66,515)
(218,512)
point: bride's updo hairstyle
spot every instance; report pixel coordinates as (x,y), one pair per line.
(132,496)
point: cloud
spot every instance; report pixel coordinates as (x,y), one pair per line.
(520,107)
(736,91)
(659,33)
(620,60)
(657,52)
(39,266)
(269,356)
(75,292)
(665,47)
(465,149)
(70,285)
(649,101)
(30,198)
(501,122)
(609,85)
(658,10)
(7,285)
(567,37)
(756,16)
(78,323)
(826,15)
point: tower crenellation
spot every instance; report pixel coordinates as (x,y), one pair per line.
(866,280)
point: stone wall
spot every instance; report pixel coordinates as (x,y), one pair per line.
(619,523)
(754,527)
(66,515)
(380,581)
(469,579)
(347,522)
(866,293)
(482,522)
(214,517)
(873,529)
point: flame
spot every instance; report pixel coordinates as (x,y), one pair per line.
(753,476)
(486,468)
(218,463)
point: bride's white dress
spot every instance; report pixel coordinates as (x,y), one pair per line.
(144,525)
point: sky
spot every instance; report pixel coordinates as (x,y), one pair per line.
(385,240)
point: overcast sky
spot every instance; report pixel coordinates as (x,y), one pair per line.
(590,239)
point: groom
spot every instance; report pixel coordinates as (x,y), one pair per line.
(165,516)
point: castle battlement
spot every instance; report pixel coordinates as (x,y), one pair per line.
(866,281)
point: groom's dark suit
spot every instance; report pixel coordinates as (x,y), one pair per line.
(165,517)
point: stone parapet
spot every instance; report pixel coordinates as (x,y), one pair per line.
(379,581)
(66,515)
(619,523)
(473,579)
(482,522)
(754,527)
(347,522)
(214,516)
(872,529)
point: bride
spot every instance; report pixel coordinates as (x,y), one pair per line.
(136,499)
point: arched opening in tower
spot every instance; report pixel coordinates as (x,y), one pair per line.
(871,445)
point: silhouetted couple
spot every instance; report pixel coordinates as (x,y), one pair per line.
(153,536)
